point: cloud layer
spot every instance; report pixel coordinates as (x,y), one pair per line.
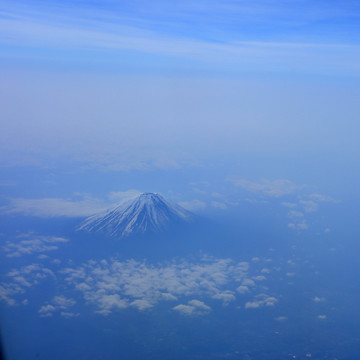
(188,288)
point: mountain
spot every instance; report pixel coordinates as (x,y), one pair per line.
(148,212)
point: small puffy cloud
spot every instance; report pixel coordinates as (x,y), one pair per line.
(321,317)
(225,296)
(252,304)
(242,289)
(27,244)
(7,291)
(218,205)
(270,301)
(20,280)
(110,302)
(193,205)
(260,301)
(248,282)
(194,307)
(46,309)
(62,302)
(293,214)
(184,309)
(57,303)
(281,318)
(299,226)
(141,304)
(289,205)
(275,188)
(199,305)
(259,277)
(309,205)
(168,296)
(318,299)
(69,314)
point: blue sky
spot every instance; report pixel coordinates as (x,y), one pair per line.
(261,91)
(237,36)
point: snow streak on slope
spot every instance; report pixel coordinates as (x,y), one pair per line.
(149,212)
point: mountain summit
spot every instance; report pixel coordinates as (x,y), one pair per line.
(148,212)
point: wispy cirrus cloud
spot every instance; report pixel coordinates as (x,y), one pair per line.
(58,207)
(175,30)
(53,207)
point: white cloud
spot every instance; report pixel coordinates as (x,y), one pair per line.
(293,214)
(106,302)
(119,196)
(69,314)
(299,226)
(83,205)
(194,307)
(45,309)
(31,243)
(184,309)
(260,301)
(58,303)
(289,205)
(199,304)
(141,304)
(53,207)
(20,280)
(276,188)
(252,304)
(242,289)
(322,317)
(193,205)
(309,205)
(112,285)
(259,277)
(218,205)
(318,299)
(248,282)
(322,198)
(225,296)
(62,302)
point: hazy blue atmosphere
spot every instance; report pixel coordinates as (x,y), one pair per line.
(179,179)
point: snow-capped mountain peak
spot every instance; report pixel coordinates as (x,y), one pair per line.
(148,212)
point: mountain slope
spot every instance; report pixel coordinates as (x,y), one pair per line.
(149,212)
